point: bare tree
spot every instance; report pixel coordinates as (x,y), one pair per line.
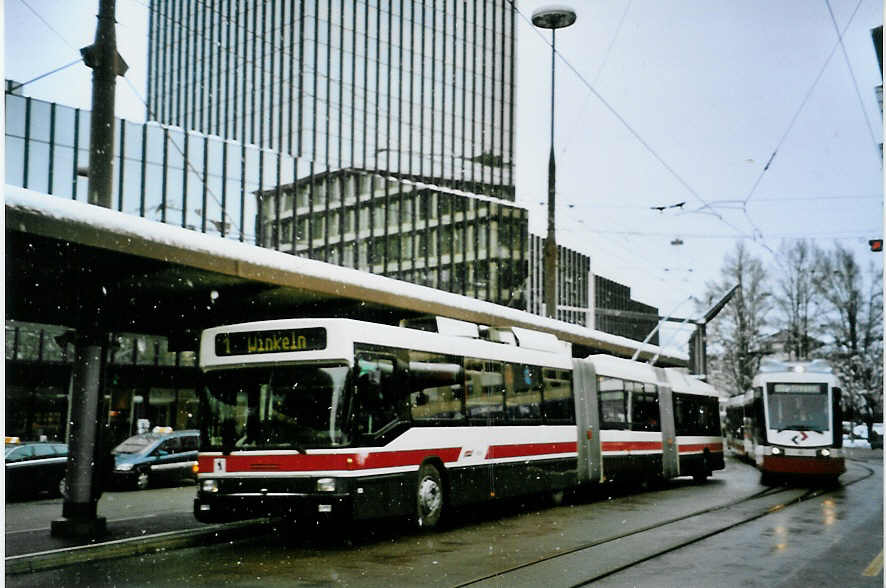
(735,335)
(853,325)
(796,296)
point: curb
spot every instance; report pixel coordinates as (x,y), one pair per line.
(56,558)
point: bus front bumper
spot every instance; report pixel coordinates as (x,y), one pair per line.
(216,508)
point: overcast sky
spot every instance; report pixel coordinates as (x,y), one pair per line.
(657,102)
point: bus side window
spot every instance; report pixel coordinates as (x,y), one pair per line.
(613,403)
(684,419)
(523,393)
(557,404)
(485,391)
(377,391)
(696,415)
(644,409)
(436,387)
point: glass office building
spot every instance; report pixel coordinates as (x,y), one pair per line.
(418,88)
(386,129)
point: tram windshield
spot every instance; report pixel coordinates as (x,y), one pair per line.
(798,407)
(280,407)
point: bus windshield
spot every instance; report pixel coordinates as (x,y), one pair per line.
(798,407)
(280,407)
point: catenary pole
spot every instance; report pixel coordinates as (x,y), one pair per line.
(86,458)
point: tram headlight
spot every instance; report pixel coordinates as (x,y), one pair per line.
(326,485)
(776,451)
(825,452)
(210,486)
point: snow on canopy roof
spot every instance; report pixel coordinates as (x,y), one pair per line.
(60,218)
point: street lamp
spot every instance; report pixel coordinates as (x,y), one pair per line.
(552,17)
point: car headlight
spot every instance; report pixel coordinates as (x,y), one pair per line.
(776,451)
(825,452)
(326,485)
(123,467)
(210,486)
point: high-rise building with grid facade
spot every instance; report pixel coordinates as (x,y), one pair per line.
(417,88)
(391,122)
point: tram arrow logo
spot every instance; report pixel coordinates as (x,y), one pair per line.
(795,437)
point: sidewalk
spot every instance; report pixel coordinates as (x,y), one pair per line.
(137,523)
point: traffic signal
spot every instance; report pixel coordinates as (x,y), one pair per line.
(876,244)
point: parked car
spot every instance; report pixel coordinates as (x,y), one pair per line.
(160,456)
(35,467)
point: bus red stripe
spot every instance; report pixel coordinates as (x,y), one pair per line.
(631,445)
(699,447)
(527,449)
(328,461)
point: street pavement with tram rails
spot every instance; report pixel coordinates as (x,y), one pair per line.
(834,537)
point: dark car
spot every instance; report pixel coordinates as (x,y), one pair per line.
(160,456)
(34,468)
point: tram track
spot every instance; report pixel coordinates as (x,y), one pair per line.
(732,514)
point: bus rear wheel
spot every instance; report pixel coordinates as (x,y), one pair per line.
(429,497)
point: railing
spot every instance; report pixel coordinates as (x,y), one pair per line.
(163,173)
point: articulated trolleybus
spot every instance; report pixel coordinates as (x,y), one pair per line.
(789,423)
(327,418)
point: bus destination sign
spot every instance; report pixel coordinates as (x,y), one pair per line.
(276,341)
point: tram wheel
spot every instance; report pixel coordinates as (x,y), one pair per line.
(429,497)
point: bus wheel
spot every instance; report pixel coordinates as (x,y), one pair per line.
(703,471)
(429,497)
(700,476)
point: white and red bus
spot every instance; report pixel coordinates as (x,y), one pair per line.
(307,418)
(789,423)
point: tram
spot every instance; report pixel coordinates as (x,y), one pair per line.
(338,418)
(789,423)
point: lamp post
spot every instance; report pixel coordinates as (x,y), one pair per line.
(552,17)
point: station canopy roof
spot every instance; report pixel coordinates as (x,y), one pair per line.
(85,267)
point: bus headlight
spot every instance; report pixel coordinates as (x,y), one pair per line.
(326,485)
(210,486)
(825,452)
(776,451)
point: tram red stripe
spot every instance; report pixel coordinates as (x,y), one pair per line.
(328,461)
(527,449)
(699,447)
(631,445)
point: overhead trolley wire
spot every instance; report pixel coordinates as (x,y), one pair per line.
(624,16)
(637,136)
(40,77)
(60,36)
(852,75)
(802,104)
(49,26)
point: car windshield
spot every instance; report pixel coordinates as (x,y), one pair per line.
(282,407)
(137,444)
(10,449)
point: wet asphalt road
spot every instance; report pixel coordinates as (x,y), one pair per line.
(817,542)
